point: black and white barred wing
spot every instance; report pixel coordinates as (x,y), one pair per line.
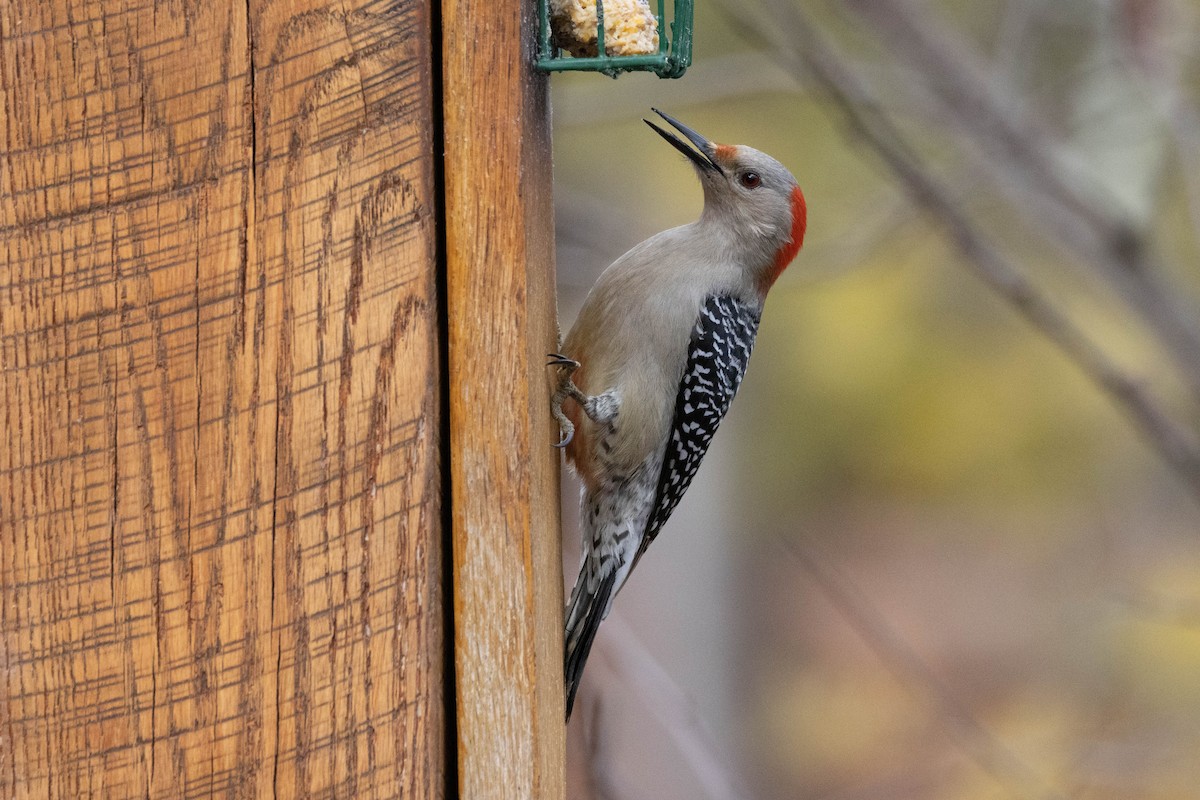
(717,357)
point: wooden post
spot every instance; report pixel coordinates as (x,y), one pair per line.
(220,513)
(504,475)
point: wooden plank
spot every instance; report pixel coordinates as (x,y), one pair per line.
(220,523)
(504,475)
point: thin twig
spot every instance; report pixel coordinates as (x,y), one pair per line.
(992,755)
(1023,160)
(806,51)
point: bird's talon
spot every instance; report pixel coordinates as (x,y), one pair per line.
(559,360)
(566,440)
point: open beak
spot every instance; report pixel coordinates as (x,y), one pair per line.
(701,156)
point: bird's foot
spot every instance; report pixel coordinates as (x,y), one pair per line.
(559,360)
(566,388)
(601,409)
(566,428)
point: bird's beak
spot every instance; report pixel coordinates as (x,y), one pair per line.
(702,156)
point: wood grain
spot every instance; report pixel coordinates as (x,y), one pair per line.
(508,612)
(220,523)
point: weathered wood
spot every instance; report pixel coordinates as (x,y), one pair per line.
(219,513)
(504,475)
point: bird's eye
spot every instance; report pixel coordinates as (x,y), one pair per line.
(751,180)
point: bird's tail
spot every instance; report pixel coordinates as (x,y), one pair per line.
(584,613)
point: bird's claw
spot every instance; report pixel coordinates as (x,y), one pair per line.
(565,427)
(569,434)
(559,360)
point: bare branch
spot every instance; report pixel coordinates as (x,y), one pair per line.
(806,51)
(1027,163)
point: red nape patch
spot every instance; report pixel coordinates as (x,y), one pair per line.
(794,242)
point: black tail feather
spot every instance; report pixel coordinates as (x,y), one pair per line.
(583,620)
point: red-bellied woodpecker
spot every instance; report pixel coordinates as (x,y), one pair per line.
(654,359)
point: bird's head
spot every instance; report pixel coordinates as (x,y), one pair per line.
(750,195)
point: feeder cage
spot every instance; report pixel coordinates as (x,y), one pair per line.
(671,60)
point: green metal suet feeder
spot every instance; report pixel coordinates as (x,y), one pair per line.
(673,58)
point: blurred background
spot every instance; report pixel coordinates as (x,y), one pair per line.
(946,543)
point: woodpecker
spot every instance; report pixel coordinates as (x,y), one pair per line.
(654,359)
